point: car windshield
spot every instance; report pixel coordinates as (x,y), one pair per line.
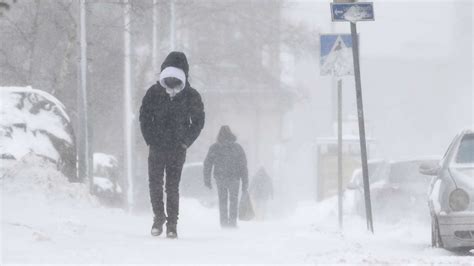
(465,153)
(377,172)
(405,172)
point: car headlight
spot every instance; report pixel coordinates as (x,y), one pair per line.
(458,200)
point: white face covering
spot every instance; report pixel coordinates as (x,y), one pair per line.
(175,73)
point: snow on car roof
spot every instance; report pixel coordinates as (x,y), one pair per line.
(467,131)
(417,159)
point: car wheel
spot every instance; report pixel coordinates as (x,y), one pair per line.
(435,234)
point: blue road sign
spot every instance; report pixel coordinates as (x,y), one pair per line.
(352,12)
(336,55)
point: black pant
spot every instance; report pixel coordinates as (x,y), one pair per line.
(228,193)
(171,162)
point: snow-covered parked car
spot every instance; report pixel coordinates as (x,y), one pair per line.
(192,185)
(34,121)
(451,194)
(106,182)
(397,190)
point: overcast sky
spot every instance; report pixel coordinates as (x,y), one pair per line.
(416,60)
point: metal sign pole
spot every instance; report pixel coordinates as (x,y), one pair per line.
(337,68)
(360,112)
(339,150)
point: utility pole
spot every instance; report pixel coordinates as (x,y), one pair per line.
(172,25)
(128,115)
(154,52)
(83,128)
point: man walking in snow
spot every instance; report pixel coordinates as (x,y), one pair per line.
(229,162)
(171,119)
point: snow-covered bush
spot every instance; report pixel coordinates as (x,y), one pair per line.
(33,121)
(106,184)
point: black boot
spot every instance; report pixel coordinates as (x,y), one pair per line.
(157,227)
(171,231)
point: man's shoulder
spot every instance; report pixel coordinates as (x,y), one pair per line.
(216,147)
(237,145)
(193,92)
(156,89)
(239,148)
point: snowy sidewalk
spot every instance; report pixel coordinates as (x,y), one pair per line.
(97,235)
(45,219)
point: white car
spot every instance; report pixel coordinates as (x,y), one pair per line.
(451,195)
(397,190)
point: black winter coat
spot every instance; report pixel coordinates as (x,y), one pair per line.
(169,123)
(229,162)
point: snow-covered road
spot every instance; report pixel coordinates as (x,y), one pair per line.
(110,236)
(44,223)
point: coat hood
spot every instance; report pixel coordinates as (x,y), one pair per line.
(225,135)
(177,60)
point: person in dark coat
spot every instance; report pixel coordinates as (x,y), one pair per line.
(261,191)
(171,118)
(229,162)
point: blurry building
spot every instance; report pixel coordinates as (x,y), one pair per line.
(233,48)
(234,52)
(326,151)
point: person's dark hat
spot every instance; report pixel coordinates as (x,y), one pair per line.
(178,60)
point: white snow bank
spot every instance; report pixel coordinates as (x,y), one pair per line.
(401,243)
(36,179)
